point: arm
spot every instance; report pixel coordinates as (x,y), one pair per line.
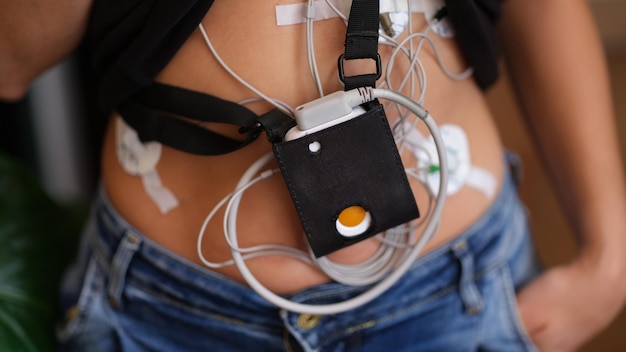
(557,64)
(36,35)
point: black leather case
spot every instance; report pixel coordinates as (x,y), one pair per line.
(358,164)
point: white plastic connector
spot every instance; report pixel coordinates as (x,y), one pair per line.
(331,107)
(311,12)
(296,132)
(322,110)
(328,111)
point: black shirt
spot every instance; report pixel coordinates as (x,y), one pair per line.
(131,41)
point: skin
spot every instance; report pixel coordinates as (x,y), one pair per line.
(268,209)
(40,33)
(571,119)
(555,59)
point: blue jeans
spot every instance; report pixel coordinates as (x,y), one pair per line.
(126,293)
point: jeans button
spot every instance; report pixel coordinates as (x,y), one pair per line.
(308,321)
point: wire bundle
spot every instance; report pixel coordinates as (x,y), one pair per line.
(399,246)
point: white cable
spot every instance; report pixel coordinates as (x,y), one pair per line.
(336,10)
(414,65)
(255,251)
(310,47)
(285,106)
(398,246)
(456,76)
(400,270)
(236,76)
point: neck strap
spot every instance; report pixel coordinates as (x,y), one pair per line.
(362,43)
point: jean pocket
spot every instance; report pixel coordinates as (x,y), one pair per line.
(513,310)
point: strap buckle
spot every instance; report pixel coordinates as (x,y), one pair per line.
(342,59)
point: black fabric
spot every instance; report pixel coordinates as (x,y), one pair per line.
(194,105)
(155,114)
(358,164)
(474,22)
(276,124)
(132,40)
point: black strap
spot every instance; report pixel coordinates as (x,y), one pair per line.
(194,105)
(276,124)
(155,114)
(362,42)
(155,111)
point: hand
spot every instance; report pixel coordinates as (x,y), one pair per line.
(567,305)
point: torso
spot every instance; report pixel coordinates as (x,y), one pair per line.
(274,60)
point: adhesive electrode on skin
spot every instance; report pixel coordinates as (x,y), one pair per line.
(460,168)
(394,14)
(140,159)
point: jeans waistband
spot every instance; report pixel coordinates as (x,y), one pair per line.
(166,268)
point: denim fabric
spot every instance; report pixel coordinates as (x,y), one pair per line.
(126,293)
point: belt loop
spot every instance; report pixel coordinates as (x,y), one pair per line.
(470,295)
(119,265)
(516,167)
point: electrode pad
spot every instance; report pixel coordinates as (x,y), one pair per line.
(394,14)
(460,168)
(351,186)
(141,159)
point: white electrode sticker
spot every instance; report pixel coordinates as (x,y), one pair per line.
(141,159)
(135,157)
(461,172)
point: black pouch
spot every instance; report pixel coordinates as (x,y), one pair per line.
(357,164)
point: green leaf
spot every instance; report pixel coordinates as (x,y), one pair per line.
(33,251)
